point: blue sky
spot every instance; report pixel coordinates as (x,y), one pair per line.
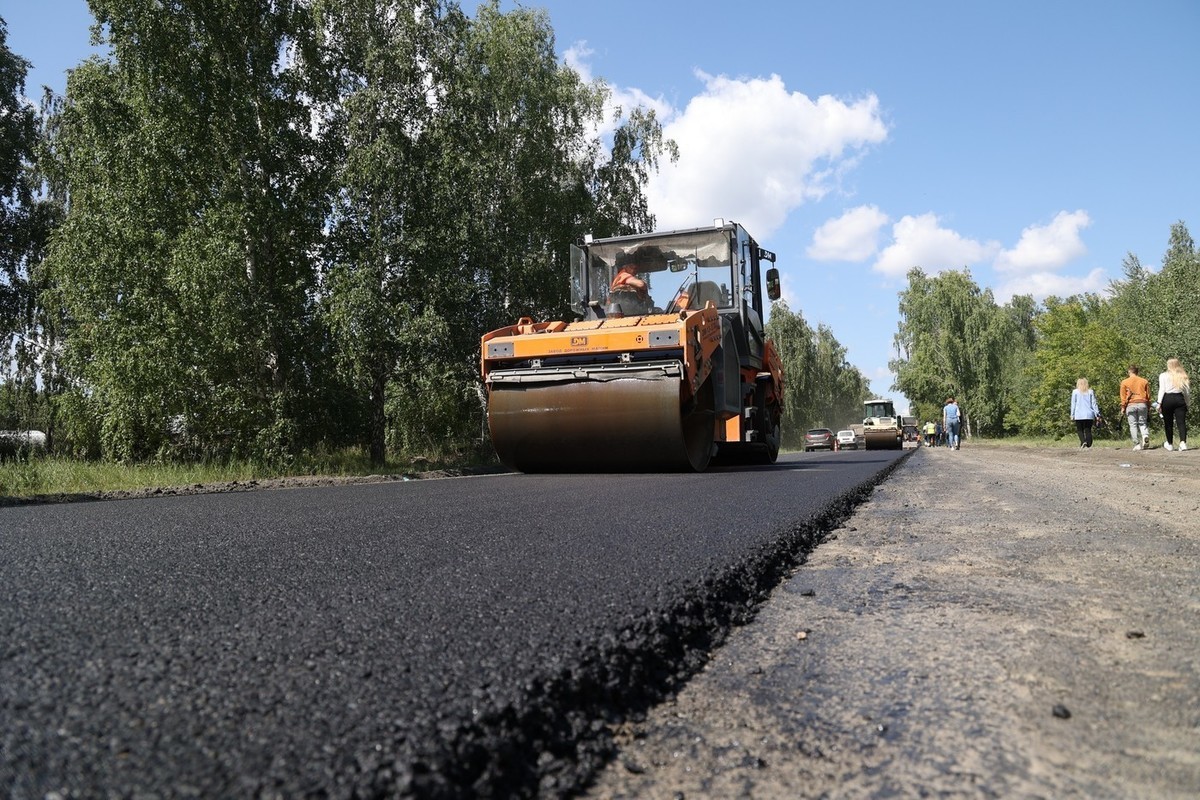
(1034,142)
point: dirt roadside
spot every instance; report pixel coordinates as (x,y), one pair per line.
(994,622)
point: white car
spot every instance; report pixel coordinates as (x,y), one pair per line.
(847,440)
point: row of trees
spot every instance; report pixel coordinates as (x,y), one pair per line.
(262,226)
(1012,367)
(267,225)
(822,389)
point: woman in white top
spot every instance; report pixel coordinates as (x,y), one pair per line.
(1173,396)
(1084,411)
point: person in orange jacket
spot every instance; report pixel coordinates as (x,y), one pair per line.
(1135,405)
(630,291)
(627,277)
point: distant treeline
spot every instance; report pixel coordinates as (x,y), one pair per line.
(821,388)
(1013,367)
(257,229)
(263,227)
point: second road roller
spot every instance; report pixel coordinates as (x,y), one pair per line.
(666,365)
(882,429)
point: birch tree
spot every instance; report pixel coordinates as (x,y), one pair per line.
(193,203)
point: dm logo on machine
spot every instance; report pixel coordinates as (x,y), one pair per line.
(579,341)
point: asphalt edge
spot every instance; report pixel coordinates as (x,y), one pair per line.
(555,738)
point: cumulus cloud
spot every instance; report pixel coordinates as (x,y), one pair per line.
(623,98)
(751,150)
(854,236)
(1044,248)
(576,57)
(923,242)
(1052,284)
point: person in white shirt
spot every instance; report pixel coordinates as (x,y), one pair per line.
(1174,391)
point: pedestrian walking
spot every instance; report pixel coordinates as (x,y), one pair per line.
(1174,391)
(951,420)
(1135,405)
(1084,412)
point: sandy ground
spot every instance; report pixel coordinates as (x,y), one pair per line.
(994,622)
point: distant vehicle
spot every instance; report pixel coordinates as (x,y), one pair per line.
(848,440)
(819,439)
(20,444)
(881,425)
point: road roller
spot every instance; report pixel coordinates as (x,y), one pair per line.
(664,366)
(882,429)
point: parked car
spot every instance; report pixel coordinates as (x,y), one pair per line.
(819,439)
(847,440)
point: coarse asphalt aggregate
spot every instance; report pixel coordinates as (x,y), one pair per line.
(429,638)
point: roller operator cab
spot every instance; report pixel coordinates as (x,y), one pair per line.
(666,365)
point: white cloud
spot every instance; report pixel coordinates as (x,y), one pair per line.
(882,376)
(626,99)
(1044,248)
(922,242)
(1046,284)
(791,291)
(854,236)
(751,150)
(576,57)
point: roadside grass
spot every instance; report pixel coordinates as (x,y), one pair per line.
(51,475)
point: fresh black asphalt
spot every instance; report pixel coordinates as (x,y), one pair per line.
(429,638)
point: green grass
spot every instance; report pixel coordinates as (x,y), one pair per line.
(61,476)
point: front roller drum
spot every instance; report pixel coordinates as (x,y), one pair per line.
(883,440)
(626,424)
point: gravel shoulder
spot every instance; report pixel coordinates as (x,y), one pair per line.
(994,622)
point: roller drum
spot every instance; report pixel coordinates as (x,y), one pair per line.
(886,439)
(623,424)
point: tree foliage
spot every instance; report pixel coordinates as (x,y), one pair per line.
(823,390)
(1013,367)
(1076,339)
(26,219)
(1158,311)
(194,203)
(954,340)
(268,225)
(287,222)
(466,166)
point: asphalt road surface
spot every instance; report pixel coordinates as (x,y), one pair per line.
(440,638)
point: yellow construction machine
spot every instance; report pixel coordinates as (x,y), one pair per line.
(881,427)
(666,367)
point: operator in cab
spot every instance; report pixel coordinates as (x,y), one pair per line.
(627,277)
(629,292)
